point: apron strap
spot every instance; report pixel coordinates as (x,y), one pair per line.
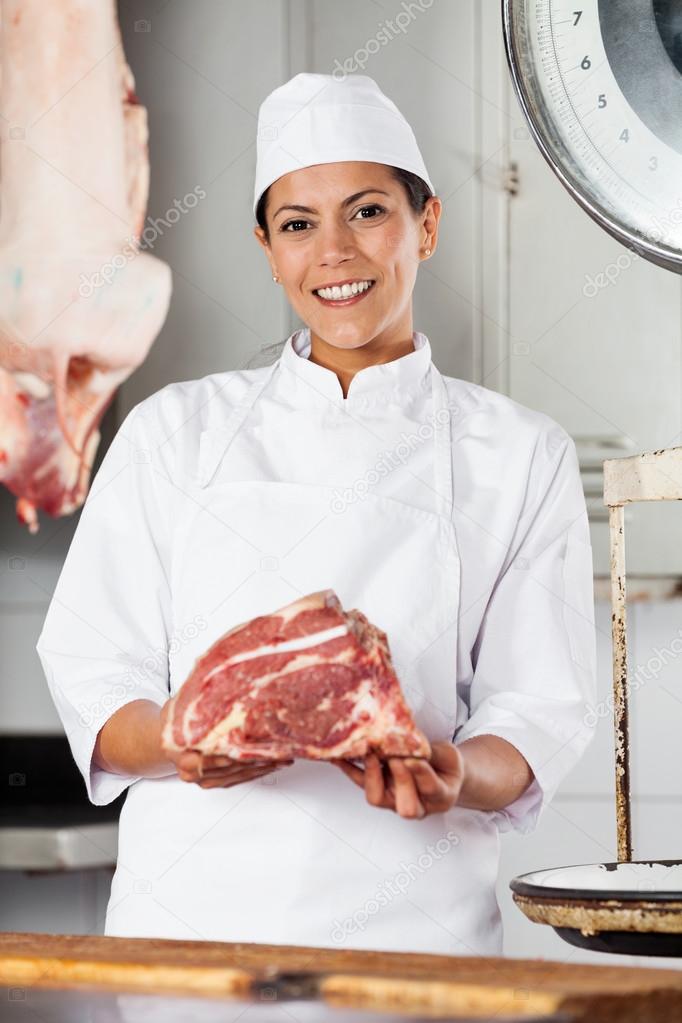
(442,446)
(214,443)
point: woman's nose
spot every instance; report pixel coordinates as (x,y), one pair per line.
(334,242)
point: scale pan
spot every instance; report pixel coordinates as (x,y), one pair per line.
(631,908)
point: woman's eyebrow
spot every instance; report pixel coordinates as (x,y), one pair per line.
(346,202)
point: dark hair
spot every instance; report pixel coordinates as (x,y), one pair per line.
(416,189)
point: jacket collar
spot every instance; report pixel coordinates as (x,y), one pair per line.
(308,381)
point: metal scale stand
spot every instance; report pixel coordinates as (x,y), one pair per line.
(633,906)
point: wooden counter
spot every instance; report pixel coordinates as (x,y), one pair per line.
(403,983)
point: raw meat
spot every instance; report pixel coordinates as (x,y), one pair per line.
(310,680)
(81,304)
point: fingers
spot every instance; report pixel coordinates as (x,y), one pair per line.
(188,761)
(223,781)
(232,766)
(356,774)
(407,801)
(429,785)
(371,779)
(210,763)
(388,785)
(446,758)
(375,789)
(439,780)
(192,760)
(213,771)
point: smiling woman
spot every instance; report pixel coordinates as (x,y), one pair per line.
(449,515)
(344,236)
(371,223)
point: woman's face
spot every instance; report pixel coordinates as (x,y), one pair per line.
(353,223)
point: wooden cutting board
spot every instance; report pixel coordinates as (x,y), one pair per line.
(396,981)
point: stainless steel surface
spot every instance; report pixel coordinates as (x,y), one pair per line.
(59,848)
(46,819)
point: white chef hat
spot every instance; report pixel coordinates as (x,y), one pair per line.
(316,118)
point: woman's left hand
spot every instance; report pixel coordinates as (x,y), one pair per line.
(411,786)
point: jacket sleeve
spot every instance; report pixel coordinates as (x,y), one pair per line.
(534,678)
(104,642)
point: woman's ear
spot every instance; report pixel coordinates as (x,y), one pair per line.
(260,235)
(434,208)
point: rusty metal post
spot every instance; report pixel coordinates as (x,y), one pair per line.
(620,683)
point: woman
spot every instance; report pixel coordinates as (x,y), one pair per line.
(453,517)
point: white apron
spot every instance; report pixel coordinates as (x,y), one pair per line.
(300,857)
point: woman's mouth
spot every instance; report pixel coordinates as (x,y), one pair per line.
(345,294)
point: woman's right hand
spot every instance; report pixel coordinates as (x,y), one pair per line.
(210,772)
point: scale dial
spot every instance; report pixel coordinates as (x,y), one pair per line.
(600,83)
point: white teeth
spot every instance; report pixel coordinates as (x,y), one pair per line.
(345,291)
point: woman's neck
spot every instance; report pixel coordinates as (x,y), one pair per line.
(346,362)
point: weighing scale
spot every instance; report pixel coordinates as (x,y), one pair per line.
(600,84)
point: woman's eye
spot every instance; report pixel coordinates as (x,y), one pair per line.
(374,206)
(290,222)
(363,209)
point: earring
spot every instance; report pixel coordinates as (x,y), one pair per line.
(427,252)
(275,278)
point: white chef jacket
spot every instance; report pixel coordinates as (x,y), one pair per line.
(526,641)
